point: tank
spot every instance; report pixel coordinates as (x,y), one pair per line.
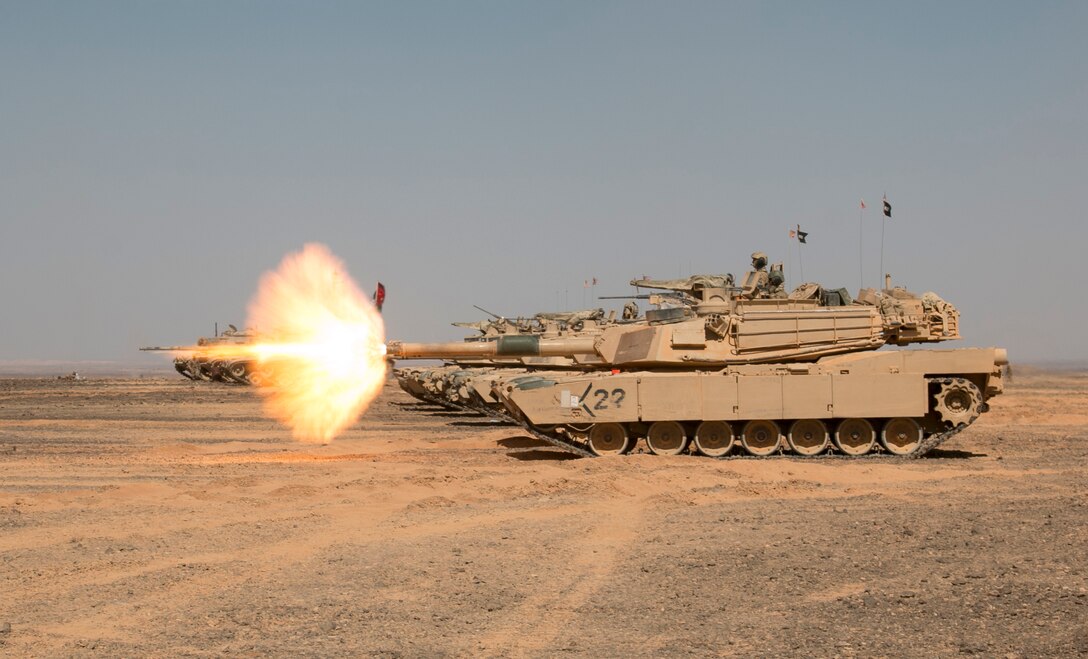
(464,384)
(747,370)
(202,362)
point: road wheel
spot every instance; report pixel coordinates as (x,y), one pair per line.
(609,439)
(808,437)
(202,370)
(666,438)
(760,437)
(855,436)
(237,372)
(714,438)
(901,436)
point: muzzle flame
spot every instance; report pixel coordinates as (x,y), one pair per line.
(321,355)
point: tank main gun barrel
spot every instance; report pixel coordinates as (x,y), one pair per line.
(519,345)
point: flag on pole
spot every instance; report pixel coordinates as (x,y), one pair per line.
(379,296)
(887,207)
(862,204)
(801,235)
(793,234)
(585,283)
(594,281)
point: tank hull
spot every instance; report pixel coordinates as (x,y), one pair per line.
(938,390)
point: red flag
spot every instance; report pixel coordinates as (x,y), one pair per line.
(793,234)
(379,296)
(862,203)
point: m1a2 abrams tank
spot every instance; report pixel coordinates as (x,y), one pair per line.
(736,372)
(203,362)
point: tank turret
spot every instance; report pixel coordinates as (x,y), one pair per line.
(722,332)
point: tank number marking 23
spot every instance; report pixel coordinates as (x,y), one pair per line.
(606,398)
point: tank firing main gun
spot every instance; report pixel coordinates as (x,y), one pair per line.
(212,358)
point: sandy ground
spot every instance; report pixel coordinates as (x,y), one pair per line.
(163,517)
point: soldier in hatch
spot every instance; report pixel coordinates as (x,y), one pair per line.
(756,279)
(776,286)
(759,261)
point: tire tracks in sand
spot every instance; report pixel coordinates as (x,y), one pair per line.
(584,566)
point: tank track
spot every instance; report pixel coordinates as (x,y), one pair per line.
(935,440)
(500,415)
(211,371)
(445,404)
(927,444)
(568,445)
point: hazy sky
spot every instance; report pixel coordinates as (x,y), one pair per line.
(156,158)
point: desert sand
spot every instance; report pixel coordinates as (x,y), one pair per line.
(171,518)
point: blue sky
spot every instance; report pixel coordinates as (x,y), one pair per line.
(155,157)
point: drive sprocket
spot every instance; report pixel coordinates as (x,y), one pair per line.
(957,401)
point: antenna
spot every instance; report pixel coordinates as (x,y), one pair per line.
(493,315)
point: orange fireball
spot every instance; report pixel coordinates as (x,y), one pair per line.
(322,345)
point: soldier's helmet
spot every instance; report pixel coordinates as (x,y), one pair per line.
(776,278)
(759,260)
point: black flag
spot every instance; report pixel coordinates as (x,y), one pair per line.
(887,208)
(801,235)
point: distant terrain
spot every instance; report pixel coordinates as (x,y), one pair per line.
(51,368)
